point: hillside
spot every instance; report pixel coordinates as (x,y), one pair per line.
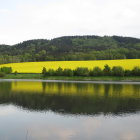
(72,48)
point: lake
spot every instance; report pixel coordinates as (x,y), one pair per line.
(39,110)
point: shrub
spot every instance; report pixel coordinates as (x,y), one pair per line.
(136,71)
(96,72)
(68,72)
(81,71)
(50,72)
(107,70)
(15,72)
(44,71)
(59,72)
(118,71)
(6,70)
(2,74)
(128,73)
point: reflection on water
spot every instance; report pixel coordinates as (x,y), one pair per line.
(69,111)
(72,98)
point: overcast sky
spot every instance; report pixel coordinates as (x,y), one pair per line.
(33,19)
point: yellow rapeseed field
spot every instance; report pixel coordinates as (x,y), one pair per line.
(36,67)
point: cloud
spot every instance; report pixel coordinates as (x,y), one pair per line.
(6,110)
(64,132)
(53,18)
(129,136)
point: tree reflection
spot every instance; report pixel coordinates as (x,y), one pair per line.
(72,98)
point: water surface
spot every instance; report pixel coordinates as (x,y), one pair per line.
(31,110)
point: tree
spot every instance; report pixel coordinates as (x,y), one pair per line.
(81,71)
(42,55)
(51,72)
(118,71)
(136,71)
(68,72)
(44,71)
(96,72)
(128,73)
(6,70)
(107,70)
(15,72)
(59,72)
(2,74)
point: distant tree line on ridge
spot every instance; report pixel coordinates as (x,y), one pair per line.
(96,71)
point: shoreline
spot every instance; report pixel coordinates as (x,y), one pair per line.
(72,81)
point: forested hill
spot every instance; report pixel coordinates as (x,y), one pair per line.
(72,48)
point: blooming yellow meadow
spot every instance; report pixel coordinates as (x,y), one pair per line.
(36,67)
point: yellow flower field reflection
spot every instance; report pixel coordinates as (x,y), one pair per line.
(36,67)
(88,89)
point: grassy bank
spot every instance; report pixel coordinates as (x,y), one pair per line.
(101,78)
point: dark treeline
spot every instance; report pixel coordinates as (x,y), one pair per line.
(5,70)
(81,71)
(96,71)
(72,48)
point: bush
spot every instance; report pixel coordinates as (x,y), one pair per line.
(6,70)
(44,71)
(50,72)
(128,73)
(2,74)
(15,72)
(59,72)
(68,72)
(81,71)
(118,71)
(96,72)
(106,70)
(136,71)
